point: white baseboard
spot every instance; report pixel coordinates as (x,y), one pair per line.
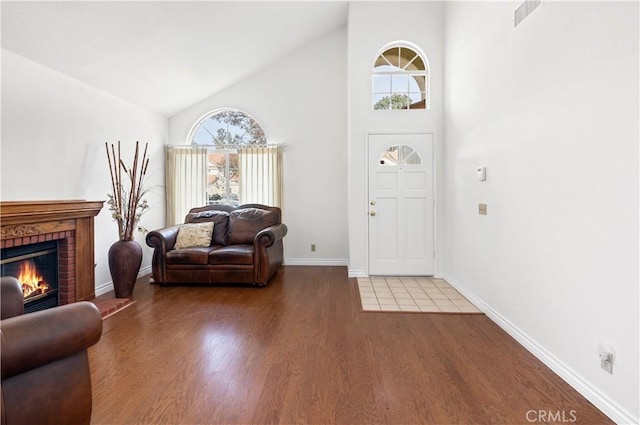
(601,401)
(358,273)
(144,271)
(104,288)
(315,262)
(107,287)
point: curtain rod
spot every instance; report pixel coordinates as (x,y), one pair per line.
(222,147)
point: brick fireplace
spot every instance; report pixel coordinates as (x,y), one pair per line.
(70,223)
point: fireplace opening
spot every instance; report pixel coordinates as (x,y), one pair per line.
(36,267)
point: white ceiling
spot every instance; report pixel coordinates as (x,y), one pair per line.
(164,55)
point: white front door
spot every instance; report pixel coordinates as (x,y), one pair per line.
(401,205)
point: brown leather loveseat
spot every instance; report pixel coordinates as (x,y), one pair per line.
(245,246)
(45,365)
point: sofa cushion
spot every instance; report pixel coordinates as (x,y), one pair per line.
(245,223)
(221,220)
(188,256)
(194,235)
(232,254)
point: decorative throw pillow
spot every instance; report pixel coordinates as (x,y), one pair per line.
(221,220)
(194,234)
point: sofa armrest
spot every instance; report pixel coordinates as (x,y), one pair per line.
(270,235)
(11,297)
(163,239)
(36,339)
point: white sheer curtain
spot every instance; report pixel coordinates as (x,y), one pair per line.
(260,170)
(185,181)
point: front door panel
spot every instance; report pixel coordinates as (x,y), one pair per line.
(401,204)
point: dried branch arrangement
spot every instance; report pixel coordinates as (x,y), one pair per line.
(127,183)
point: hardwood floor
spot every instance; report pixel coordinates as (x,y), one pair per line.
(301,351)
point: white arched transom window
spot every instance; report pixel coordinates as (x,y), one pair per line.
(227,127)
(400,78)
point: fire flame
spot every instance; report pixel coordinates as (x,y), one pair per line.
(32,281)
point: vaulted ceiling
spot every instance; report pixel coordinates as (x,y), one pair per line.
(164,55)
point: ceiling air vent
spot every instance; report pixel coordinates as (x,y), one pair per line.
(525,10)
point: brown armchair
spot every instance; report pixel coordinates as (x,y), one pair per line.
(245,247)
(45,366)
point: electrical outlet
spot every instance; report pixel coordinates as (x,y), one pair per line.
(606,362)
(607,355)
(313,247)
(482,209)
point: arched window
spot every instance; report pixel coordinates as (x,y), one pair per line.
(227,127)
(400,155)
(240,166)
(400,78)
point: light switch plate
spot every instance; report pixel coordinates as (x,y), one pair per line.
(482,209)
(482,173)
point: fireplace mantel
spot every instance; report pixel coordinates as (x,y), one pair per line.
(29,212)
(25,222)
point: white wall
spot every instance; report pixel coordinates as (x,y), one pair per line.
(372,25)
(53,134)
(300,101)
(551,108)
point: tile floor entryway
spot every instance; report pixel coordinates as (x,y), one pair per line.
(412,294)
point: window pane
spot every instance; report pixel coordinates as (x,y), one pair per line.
(418,100)
(213,125)
(380,62)
(381,101)
(400,83)
(416,65)
(233,197)
(410,156)
(202,137)
(391,56)
(381,83)
(417,83)
(413,159)
(216,179)
(406,55)
(395,101)
(390,156)
(222,179)
(415,97)
(405,151)
(399,101)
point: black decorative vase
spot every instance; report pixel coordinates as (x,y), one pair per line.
(125,258)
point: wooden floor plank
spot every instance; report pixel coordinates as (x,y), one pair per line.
(301,351)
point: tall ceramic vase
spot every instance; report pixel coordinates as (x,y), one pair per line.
(125,258)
